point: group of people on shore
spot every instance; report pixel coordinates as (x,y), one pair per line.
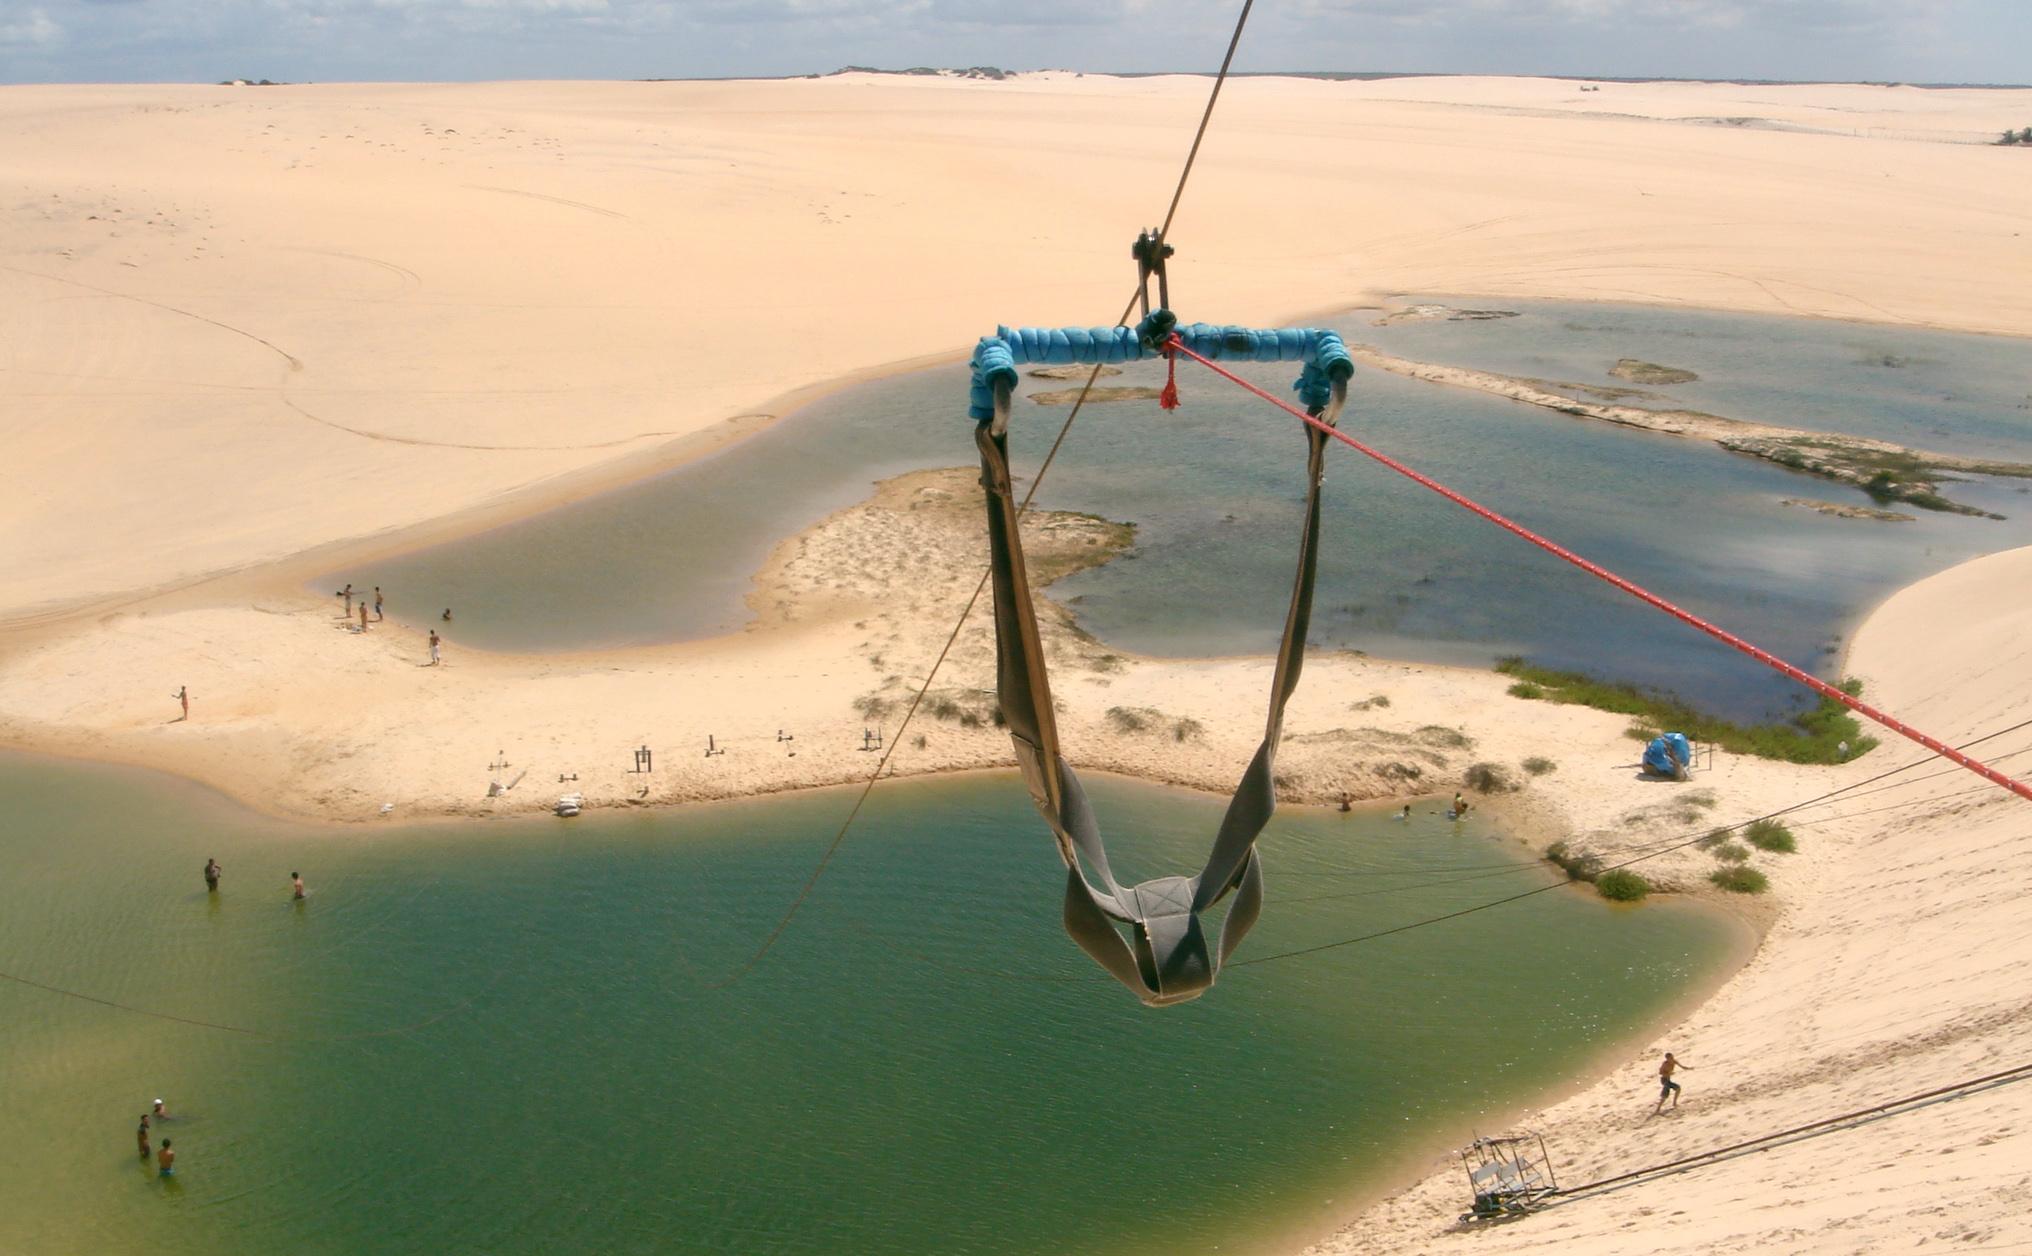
(346,598)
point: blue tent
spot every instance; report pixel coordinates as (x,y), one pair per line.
(1669,755)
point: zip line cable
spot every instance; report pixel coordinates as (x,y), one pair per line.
(1729,639)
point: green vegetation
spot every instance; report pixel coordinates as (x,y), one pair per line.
(1621,885)
(1740,880)
(1187,730)
(1770,835)
(969,708)
(1730,852)
(1814,737)
(1539,765)
(2017,137)
(1576,867)
(1527,690)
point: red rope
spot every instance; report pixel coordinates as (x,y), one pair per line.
(1685,616)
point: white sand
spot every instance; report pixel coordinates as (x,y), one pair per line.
(251,333)
(244,322)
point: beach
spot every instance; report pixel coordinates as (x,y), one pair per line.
(257,334)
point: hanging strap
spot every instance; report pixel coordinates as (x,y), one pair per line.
(1166,958)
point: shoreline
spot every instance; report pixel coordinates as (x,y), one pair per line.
(289,580)
(1745,941)
(1771,1017)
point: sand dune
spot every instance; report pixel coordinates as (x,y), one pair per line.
(242,323)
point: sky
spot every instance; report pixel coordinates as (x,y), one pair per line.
(1974,41)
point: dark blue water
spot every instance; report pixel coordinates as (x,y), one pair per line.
(1214,490)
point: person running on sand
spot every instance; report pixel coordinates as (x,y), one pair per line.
(142,1135)
(377,604)
(212,871)
(165,1160)
(296,886)
(434,640)
(1666,1086)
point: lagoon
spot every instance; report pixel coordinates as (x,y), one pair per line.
(503,1036)
(1214,489)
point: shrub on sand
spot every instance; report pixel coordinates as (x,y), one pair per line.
(1539,765)
(1770,835)
(1731,852)
(1621,885)
(1740,880)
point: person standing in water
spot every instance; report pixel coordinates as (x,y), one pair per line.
(1666,1086)
(377,603)
(296,886)
(212,871)
(1460,805)
(165,1160)
(142,1135)
(161,1113)
(347,593)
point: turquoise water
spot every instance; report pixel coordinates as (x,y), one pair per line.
(501,1037)
(1214,491)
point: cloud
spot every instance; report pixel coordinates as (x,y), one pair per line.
(1801,15)
(35,29)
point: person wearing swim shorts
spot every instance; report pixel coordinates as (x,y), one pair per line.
(165,1160)
(1666,1086)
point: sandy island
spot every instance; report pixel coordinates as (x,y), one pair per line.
(254,334)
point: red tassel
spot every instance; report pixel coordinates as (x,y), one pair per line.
(1168,399)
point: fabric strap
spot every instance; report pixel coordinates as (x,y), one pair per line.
(1166,957)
